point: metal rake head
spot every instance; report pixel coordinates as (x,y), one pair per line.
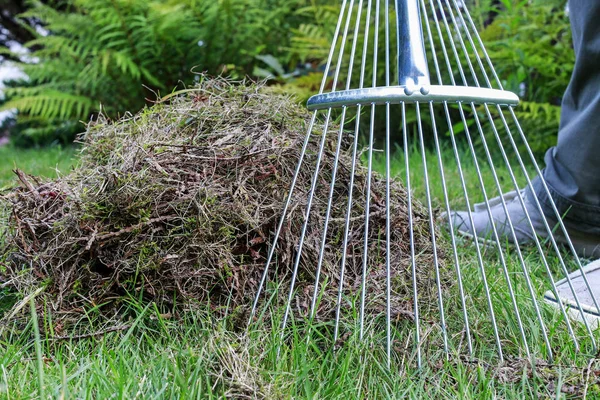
(482,291)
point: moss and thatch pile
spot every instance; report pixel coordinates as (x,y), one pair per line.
(181,201)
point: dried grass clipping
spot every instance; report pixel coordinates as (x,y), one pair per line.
(182,200)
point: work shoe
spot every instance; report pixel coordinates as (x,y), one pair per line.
(586,245)
(588,310)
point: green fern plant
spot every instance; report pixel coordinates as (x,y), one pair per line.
(119,55)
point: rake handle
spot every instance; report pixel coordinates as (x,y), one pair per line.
(412,62)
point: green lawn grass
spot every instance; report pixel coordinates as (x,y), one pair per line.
(192,354)
(40,162)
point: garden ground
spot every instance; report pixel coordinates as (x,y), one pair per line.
(190,354)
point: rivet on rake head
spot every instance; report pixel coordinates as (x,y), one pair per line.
(424,90)
(408,91)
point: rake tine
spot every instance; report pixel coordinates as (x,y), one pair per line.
(327,214)
(547,226)
(475,238)
(296,172)
(481,182)
(366,237)
(514,235)
(304,227)
(353,168)
(537,243)
(336,35)
(546,189)
(388,277)
(368,193)
(412,238)
(460,38)
(474,86)
(432,229)
(316,177)
(444,49)
(335,166)
(481,47)
(365,47)
(282,219)
(551,236)
(463,48)
(543,181)
(538,171)
(495,233)
(517,188)
(452,235)
(387,236)
(470,39)
(510,223)
(445,190)
(560,222)
(462,179)
(354,151)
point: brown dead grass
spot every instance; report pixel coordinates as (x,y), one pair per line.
(181,201)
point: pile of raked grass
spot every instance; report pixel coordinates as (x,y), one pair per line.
(179,203)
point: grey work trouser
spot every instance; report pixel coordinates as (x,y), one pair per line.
(573,167)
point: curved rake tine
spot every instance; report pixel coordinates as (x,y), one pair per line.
(445,192)
(296,172)
(432,229)
(498,186)
(518,250)
(463,183)
(537,243)
(538,171)
(353,169)
(282,219)
(550,233)
(452,235)
(327,215)
(388,276)
(469,100)
(304,227)
(316,178)
(335,167)
(546,189)
(475,237)
(558,217)
(412,238)
(482,184)
(481,46)
(368,193)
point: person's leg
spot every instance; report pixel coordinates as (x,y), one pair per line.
(572,176)
(572,170)
(573,167)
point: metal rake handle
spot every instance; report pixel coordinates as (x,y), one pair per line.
(414,85)
(412,62)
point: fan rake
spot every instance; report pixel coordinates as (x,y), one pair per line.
(468,105)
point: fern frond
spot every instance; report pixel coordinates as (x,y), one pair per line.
(50,104)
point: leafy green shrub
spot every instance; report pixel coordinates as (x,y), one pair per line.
(531,46)
(117,55)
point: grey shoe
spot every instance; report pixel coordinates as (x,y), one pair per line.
(586,245)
